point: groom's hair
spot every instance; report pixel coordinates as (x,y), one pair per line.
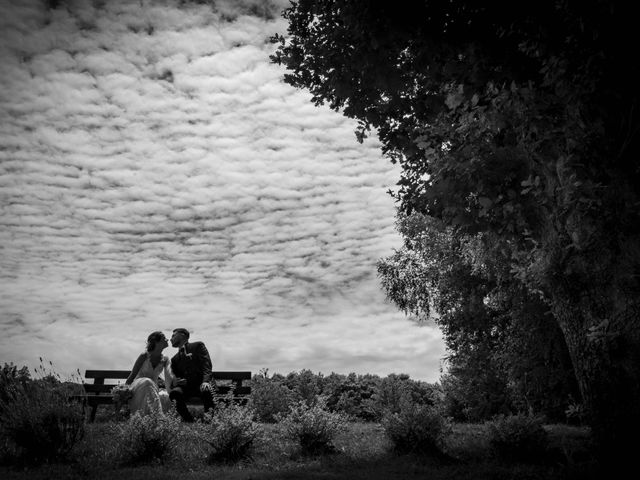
(183,331)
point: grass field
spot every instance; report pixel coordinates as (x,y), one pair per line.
(362,452)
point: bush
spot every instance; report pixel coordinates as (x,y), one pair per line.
(417,429)
(230,431)
(143,438)
(313,426)
(38,420)
(10,376)
(269,397)
(518,437)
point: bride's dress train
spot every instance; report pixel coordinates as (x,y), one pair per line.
(147,397)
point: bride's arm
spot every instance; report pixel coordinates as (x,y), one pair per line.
(168,374)
(135,369)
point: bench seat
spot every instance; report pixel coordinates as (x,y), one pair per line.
(99,392)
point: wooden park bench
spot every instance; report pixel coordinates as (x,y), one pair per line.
(99,392)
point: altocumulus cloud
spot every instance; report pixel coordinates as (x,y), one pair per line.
(156,172)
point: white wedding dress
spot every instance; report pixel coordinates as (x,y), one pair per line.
(147,397)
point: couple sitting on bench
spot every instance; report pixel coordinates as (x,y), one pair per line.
(188,374)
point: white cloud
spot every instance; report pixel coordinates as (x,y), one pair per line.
(156,172)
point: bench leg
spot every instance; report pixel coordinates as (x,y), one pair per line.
(93,413)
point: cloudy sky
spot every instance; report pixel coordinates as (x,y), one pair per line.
(155,172)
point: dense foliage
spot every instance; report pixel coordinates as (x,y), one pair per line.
(518,122)
(506,352)
(363,397)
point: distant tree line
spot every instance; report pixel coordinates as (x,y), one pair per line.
(369,397)
(364,397)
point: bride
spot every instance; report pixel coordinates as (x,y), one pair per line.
(147,396)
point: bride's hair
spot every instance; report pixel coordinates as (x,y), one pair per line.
(154,338)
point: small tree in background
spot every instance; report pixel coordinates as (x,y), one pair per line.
(397,390)
(352,395)
(270,396)
(305,384)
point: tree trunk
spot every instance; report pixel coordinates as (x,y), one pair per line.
(603,339)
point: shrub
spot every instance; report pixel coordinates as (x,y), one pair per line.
(313,426)
(143,438)
(269,397)
(9,377)
(417,429)
(518,437)
(38,419)
(230,431)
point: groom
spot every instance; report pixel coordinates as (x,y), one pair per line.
(191,368)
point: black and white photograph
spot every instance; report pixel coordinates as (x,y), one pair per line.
(319,239)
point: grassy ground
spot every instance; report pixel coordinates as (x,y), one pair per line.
(362,452)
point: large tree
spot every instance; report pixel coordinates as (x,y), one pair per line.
(505,351)
(517,120)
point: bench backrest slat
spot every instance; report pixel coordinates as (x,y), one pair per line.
(237,391)
(100,387)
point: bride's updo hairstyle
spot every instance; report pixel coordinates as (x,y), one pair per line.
(154,338)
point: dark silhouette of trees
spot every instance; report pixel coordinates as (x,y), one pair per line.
(518,121)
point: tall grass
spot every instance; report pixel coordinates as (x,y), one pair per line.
(230,432)
(519,438)
(38,420)
(313,426)
(417,429)
(144,438)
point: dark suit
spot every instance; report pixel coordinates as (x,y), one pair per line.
(195,367)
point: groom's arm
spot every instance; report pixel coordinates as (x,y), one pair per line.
(205,361)
(177,373)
